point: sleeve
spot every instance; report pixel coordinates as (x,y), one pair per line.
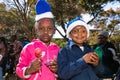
(68,69)
(108,57)
(24,62)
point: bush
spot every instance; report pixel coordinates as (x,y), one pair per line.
(116,41)
(60,42)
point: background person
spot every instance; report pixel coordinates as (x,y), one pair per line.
(15,52)
(3,57)
(106,51)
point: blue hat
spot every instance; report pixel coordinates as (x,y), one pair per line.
(75,22)
(43,10)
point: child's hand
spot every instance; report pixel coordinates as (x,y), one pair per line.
(91,58)
(52,64)
(34,67)
(36,64)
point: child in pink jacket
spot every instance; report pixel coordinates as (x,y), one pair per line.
(38,59)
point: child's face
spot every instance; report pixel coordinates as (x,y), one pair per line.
(45,30)
(79,35)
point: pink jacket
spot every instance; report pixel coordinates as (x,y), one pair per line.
(28,55)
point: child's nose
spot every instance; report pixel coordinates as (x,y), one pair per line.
(46,30)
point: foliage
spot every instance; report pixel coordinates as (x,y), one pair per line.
(93,38)
(107,19)
(116,40)
(19,16)
(9,23)
(65,10)
(23,13)
(60,42)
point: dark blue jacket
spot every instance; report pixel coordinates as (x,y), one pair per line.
(71,65)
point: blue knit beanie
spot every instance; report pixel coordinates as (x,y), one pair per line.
(75,22)
(43,10)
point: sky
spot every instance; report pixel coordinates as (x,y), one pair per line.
(113,5)
(1,1)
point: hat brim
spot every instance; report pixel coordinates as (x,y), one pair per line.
(44,15)
(74,24)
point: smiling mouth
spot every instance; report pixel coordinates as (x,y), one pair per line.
(46,36)
(80,38)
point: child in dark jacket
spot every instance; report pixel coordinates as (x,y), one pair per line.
(77,60)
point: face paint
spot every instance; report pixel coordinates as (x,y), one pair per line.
(50,34)
(45,21)
(40,34)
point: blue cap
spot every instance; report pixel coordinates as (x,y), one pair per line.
(43,10)
(75,22)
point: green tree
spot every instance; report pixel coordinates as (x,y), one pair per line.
(64,11)
(24,13)
(8,21)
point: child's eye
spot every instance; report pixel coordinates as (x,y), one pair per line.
(50,28)
(84,31)
(41,28)
(75,31)
(46,29)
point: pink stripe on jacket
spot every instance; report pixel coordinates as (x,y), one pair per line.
(28,55)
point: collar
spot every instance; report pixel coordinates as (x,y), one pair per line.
(39,41)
